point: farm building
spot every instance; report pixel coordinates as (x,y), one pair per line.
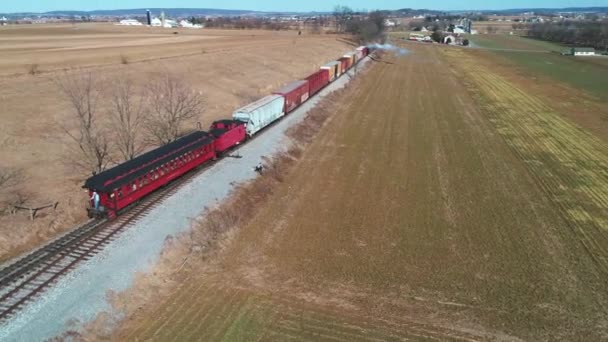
(449,39)
(130,22)
(582,51)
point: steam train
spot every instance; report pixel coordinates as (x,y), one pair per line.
(115,189)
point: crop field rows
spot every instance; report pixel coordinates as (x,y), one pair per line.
(422,210)
(569,163)
(215,313)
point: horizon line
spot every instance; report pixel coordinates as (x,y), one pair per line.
(304,11)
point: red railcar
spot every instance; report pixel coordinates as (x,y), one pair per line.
(126,183)
(228,134)
(295,94)
(364,51)
(345,61)
(317,81)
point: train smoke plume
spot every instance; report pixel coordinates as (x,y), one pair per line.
(390,47)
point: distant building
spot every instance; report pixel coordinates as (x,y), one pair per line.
(187,24)
(130,22)
(156,22)
(459,29)
(449,39)
(582,52)
(389,23)
(170,23)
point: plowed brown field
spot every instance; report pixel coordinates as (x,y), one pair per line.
(438,203)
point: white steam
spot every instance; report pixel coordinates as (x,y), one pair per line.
(390,47)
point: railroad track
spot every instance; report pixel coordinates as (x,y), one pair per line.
(23,280)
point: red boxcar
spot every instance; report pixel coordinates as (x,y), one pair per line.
(126,183)
(345,61)
(228,134)
(294,93)
(317,81)
(364,51)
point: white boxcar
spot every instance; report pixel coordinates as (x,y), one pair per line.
(261,113)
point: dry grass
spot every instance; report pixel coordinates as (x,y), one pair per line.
(33,69)
(412,214)
(243,66)
(216,228)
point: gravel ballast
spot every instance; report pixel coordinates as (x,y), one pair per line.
(81,294)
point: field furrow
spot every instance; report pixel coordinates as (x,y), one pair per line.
(569,163)
(439,202)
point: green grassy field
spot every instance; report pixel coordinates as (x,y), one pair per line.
(589,74)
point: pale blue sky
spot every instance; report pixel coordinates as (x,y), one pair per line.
(285,5)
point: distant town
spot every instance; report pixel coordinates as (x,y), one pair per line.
(191,17)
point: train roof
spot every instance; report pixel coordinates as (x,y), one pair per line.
(135,168)
(225,121)
(330,64)
(291,87)
(259,103)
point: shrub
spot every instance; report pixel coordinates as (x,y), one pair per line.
(33,69)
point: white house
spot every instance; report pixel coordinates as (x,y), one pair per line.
(449,39)
(459,29)
(170,23)
(156,22)
(583,51)
(187,24)
(389,23)
(130,22)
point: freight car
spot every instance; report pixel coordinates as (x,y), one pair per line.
(294,94)
(334,70)
(317,81)
(344,63)
(228,134)
(125,184)
(261,113)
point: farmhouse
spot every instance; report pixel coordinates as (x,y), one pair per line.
(449,39)
(130,22)
(582,51)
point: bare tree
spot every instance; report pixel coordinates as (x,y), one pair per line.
(316,26)
(91,149)
(127,114)
(342,14)
(172,102)
(9,178)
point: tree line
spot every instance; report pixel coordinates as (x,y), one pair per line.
(365,27)
(576,33)
(114,120)
(244,23)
